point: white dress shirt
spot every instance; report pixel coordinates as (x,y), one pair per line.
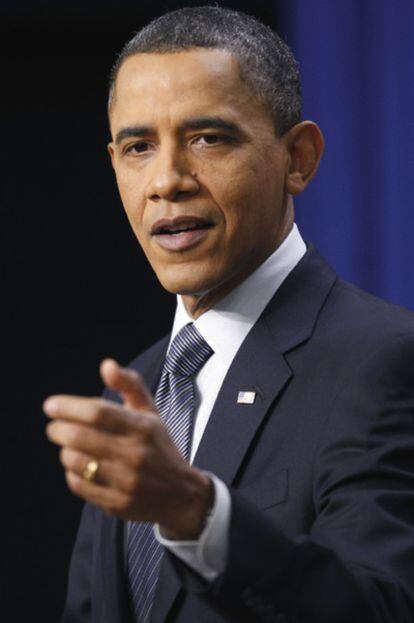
(225,327)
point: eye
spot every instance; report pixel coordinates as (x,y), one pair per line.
(141,147)
(212,139)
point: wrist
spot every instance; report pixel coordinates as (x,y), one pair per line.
(188,521)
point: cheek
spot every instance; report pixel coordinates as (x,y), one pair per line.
(132,198)
(252,210)
(240,204)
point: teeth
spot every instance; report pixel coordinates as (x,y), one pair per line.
(178,230)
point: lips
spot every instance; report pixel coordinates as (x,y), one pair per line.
(180,233)
(171,226)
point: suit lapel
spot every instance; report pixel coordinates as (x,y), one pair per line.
(258,367)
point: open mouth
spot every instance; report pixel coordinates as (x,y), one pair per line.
(180,225)
(181,233)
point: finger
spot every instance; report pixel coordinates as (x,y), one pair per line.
(86,439)
(127,449)
(111,473)
(111,500)
(101,414)
(77,462)
(128,383)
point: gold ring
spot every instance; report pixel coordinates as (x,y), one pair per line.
(90,471)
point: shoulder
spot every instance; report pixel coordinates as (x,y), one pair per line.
(363,320)
(346,310)
(330,315)
(344,332)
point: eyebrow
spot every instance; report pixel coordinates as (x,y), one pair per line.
(210,123)
(196,123)
(133,131)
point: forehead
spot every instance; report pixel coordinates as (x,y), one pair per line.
(189,82)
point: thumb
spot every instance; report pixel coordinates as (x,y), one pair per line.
(128,383)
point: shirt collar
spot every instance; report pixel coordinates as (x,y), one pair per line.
(226,325)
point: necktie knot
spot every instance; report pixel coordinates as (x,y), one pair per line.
(188,352)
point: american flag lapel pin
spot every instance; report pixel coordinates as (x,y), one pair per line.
(246,398)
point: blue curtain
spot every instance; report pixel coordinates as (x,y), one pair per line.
(357,65)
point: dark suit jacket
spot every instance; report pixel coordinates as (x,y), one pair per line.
(320,468)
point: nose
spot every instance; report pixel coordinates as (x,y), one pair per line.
(171,177)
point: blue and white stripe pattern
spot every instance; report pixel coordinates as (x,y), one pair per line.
(175,402)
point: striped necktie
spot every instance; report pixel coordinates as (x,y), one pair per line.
(175,401)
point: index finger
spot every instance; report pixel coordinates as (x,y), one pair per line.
(95,412)
(128,383)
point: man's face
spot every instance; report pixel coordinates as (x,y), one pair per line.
(200,170)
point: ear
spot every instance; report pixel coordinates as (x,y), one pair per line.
(111,151)
(305,144)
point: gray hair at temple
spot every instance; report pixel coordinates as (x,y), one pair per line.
(267,65)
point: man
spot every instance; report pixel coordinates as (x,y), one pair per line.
(272,479)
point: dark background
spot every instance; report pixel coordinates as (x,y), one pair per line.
(76,288)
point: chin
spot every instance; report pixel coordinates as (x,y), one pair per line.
(186,281)
(185,289)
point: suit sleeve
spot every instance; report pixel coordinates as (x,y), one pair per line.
(78,602)
(357,562)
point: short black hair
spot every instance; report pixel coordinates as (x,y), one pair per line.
(267,64)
